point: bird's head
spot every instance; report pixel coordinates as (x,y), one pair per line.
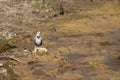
(38,33)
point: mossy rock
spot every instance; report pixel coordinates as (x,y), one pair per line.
(4,45)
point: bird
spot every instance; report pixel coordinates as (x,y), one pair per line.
(38,39)
(38,43)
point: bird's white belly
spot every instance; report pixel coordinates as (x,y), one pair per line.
(38,41)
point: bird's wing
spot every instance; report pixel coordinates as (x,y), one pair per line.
(41,41)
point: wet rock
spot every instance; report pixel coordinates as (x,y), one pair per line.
(39,50)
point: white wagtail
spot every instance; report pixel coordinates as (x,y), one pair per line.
(38,39)
(38,43)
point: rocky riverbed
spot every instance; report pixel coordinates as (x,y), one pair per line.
(83,43)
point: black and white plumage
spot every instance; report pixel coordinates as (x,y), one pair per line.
(38,43)
(38,39)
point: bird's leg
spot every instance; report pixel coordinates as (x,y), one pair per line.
(36,51)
